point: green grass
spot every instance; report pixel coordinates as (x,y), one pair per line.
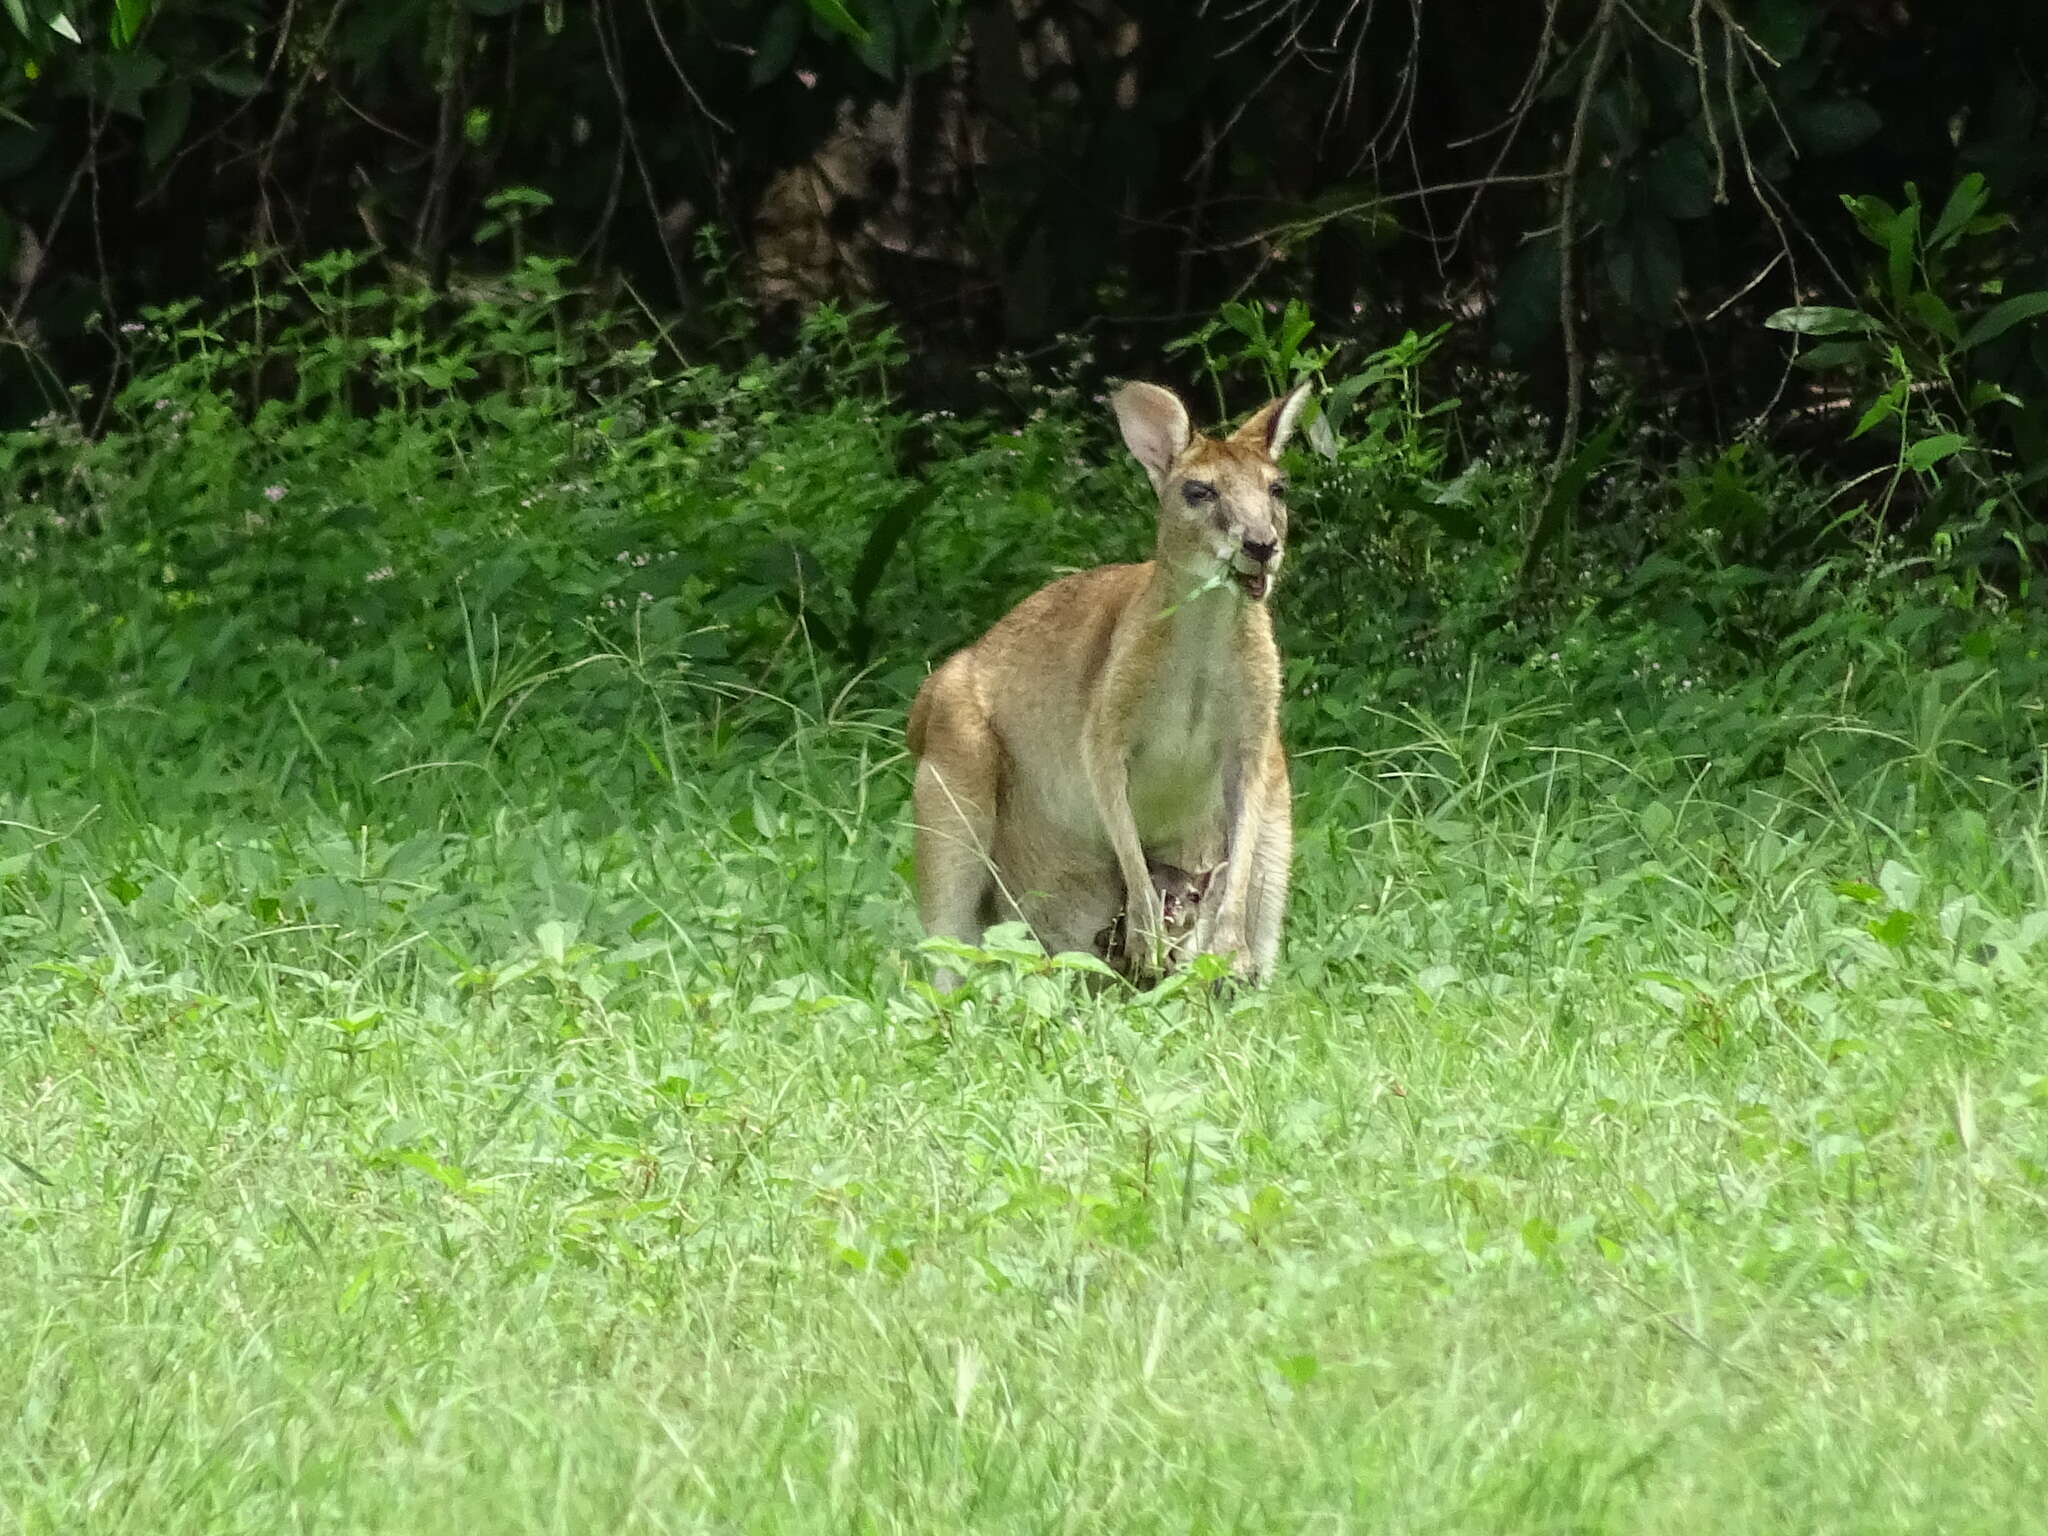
(463,1066)
(516,1157)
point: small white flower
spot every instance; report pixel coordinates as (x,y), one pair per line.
(273,493)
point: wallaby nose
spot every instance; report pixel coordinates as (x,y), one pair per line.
(1261,550)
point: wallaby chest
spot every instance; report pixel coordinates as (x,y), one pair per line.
(1182,722)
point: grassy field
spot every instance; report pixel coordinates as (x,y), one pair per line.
(515,1158)
(463,1066)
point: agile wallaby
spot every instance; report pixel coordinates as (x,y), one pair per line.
(1180,903)
(1125,712)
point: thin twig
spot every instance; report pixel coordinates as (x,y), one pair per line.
(248,103)
(1757,191)
(1655,36)
(1699,59)
(607,47)
(1567,238)
(1659,1314)
(428,238)
(1735,297)
(1729,21)
(1294,228)
(1518,114)
(669,53)
(1403,104)
(1282,57)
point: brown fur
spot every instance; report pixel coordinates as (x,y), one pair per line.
(1124,714)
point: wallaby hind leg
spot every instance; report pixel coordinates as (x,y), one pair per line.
(955,805)
(1265,908)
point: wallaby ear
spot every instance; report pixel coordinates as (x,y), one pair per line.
(1273,423)
(1155,426)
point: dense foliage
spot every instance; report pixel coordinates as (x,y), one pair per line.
(1641,181)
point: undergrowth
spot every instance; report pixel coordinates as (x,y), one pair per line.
(465,1063)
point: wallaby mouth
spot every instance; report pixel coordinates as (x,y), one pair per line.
(1254,578)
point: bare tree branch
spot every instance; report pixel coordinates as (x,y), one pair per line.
(1568,236)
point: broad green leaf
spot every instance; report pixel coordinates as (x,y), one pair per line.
(1243,319)
(1881,409)
(1930,451)
(1782,28)
(881,51)
(1298,1370)
(450,1178)
(129,17)
(1832,127)
(1995,322)
(1932,312)
(1873,215)
(1838,354)
(1562,499)
(124,80)
(1644,264)
(1902,241)
(1900,884)
(1962,207)
(1320,437)
(776,45)
(834,14)
(236,82)
(883,538)
(1820,320)
(1681,180)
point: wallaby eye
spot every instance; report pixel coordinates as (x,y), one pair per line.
(1195,492)
(1278,490)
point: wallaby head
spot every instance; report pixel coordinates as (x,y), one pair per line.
(1222,501)
(1180,893)
(1180,901)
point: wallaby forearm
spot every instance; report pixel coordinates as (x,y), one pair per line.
(1108,768)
